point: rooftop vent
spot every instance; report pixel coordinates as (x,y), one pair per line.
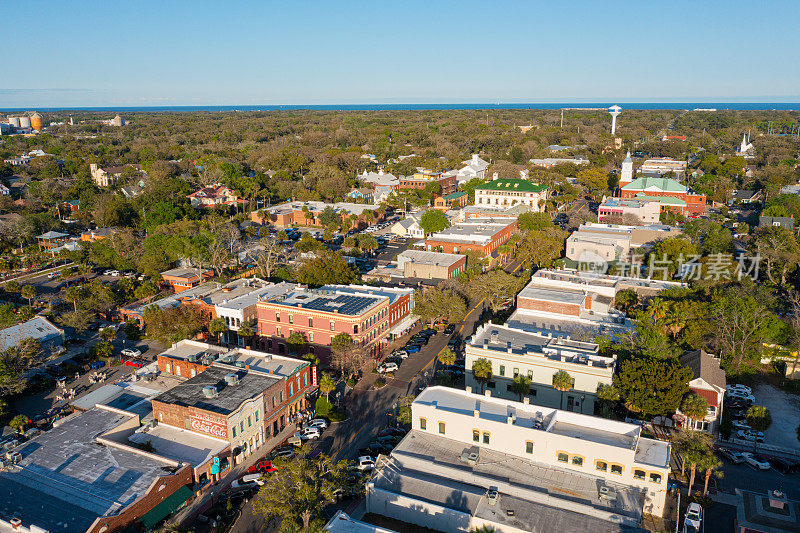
(232,379)
(495,336)
(192,358)
(210,391)
(469,456)
(240,364)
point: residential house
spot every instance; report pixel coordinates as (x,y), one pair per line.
(213,196)
(550,162)
(613,242)
(622,210)
(362,194)
(448,181)
(483,235)
(475,169)
(784,222)
(98,234)
(409,226)
(52,239)
(451,201)
(708,381)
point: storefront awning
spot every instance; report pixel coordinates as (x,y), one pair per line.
(404,324)
(168,506)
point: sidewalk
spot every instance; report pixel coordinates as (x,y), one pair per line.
(186,515)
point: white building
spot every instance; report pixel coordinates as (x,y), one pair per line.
(409,226)
(379,178)
(549,162)
(646,211)
(507,193)
(663,165)
(626,175)
(613,242)
(235,302)
(552,470)
(539,356)
(475,168)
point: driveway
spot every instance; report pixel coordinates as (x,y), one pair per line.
(785,410)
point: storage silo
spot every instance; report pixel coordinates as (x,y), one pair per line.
(14,121)
(36,121)
(24,122)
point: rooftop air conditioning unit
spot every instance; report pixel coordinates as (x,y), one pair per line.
(209,391)
(240,364)
(232,379)
(192,358)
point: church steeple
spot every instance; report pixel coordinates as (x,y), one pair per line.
(626,176)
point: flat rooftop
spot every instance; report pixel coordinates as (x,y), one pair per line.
(228,398)
(328,301)
(538,418)
(184,272)
(542,497)
(430,258)
(66,480)
(565,296)
(179,444)
(585,327)
(260,361)
(247,292)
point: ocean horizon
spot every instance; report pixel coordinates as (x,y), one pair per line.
(721,106)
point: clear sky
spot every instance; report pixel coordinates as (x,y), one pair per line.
(228,52)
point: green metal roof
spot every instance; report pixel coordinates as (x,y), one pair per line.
(655,185)
(454,195)
(512,185)
(666,200)
(167,506)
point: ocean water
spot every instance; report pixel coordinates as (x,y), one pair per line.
(777,106)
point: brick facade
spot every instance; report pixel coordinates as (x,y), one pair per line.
(560,308)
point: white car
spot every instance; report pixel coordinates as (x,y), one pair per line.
(740,395)
(365,463)
(694,518)
(308,434)
(388,367)
(740,425)
(109,272)
(749,434)
(402,354)
(754,461)
(114,273)
(131,352)
(317,423)
(258,479)
(738,388)
(242,484)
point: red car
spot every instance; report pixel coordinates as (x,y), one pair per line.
(264,465)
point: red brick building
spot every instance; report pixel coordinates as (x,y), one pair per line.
(308,213)
(483,235)
(182,278)
(448,181)
(652,188)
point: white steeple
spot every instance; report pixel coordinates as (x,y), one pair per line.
(626,176)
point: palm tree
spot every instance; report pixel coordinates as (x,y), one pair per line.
(108,334)
(482,372)
(693,448)
(73,294)
(759,418)
(246,332)
(521,385)
(326,384)
(447,357)
(28,292)
(711,465)
(217,327)
(695,407)
(562,381)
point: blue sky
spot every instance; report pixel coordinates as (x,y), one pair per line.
(226,52)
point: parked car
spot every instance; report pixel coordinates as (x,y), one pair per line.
(738,388)
(756,461)
(693,520)
(732,455)
(391,431)
(743,396)
(411,348)
(364,463)
(378,447)
(308,434)
(749,434)
(402,354)
(131,352)
(739,425)
(450,329)
(285,453)
(388,367)
(784,466)
(264,466)
(247,482)
(319,423)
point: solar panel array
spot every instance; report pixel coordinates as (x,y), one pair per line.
(344,303)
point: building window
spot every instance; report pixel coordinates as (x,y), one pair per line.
(577,460)
(516,372)
(249,421)
(234,431)
(602,466)
(169,371)
(256,413)
(355,328)
(502,370)
(638,474)
(423,423)
(241,426)
(476,435)
(160,417)
(616,469)
(291,318)
(333,326)
(528,446)
(441,428)
(177,371)
(530,374)
(310,322)
(311,336)
(277,317)
(655,478)
(563,457)
(193,372)
(278,331)
(486,437)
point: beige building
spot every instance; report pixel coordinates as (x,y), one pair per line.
(613,242)
(539,357)
(430,265)
(621,210)
(507,193)
(474,460)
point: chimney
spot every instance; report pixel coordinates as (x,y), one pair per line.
(15,523)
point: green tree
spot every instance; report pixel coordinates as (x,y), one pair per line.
(447,357)
(541,247)
(297,342)
(440,303)
(759,418)
(217,327)
(711,465)
(246,332)
(534,221)
(300,488)
(347,355)
(329,217)
(666,257)
(19,422)
(74,294)
(79,320)
(626,300)
(327,268)
(172,325)
(327,384)
(521,386)
(482,372)
(433,220)
(497,287)
(28,292)
(404,410)
(695,407)
(593,178)
(693,449)
(13,287)
(367,242)
(104,349)
(562,382)
(108,334)
(652,386)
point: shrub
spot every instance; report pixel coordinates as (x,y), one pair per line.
(323,406)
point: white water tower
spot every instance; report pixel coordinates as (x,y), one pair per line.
(614,111)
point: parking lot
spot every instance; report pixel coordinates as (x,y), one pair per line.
(785,410)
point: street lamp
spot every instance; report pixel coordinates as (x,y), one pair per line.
(583,397)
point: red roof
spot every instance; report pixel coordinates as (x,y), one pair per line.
(710,396)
